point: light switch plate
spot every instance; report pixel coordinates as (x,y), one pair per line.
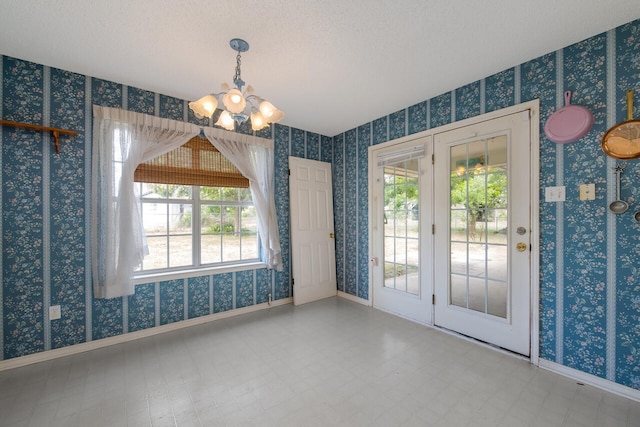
(554,194)
(587,192)
(54,312)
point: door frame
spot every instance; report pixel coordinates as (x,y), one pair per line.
(533,107)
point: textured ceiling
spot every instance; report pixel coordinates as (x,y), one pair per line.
(330,65)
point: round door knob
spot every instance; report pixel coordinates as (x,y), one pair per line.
(521,247)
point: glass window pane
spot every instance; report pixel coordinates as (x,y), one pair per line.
(458,155)
(458,258)
(155,219)
(180,251)
(401,250)
(230,219)
(458,291)
(497,226)
(497,152)
(476,154)
(497,189)
(249,219)
(157,257)
(477,294)
(210,219)
(497,262)
(229,194)
(210,193)
(476,190)
(244,195)
(459,225)
(458,186)
(249,233)
(211,249)
(230,247)
(249,246)
(390,275)
(476,259)
(398,225)
(179,218)
(497,298)
(164,191)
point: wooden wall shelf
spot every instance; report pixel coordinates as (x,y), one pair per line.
(55,132)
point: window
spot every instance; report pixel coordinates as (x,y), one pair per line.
(194,226)
(130,147)
(196,210)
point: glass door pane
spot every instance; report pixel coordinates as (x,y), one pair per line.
(478,221)
(401,227)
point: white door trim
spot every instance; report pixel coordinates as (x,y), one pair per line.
(534,108)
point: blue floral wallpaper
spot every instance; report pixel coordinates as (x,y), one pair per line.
(589,258)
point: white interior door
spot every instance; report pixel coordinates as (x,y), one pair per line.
(483,231)
(400,237)
(312,233)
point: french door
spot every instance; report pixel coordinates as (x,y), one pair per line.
(451,227)
(483,231)
(399,202)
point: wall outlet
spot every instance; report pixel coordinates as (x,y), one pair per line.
(554,194)
(54,312)
(587,192)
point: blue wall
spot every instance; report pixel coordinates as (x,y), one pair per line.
(590,258)
(590,286)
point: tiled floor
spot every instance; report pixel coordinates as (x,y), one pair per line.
(329,363)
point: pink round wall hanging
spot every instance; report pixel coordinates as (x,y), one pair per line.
(569,123)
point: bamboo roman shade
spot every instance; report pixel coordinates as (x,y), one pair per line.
(197,162)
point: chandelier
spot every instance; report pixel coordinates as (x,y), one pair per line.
(239,103)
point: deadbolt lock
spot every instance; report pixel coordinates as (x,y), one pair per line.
(521,247)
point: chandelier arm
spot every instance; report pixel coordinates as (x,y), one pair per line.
(253,98)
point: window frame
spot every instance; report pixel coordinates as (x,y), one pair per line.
(197,268)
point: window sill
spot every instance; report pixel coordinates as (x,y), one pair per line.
(195,272)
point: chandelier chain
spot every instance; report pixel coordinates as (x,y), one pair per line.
(237,77)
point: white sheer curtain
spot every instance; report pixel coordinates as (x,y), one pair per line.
(254,158)
(121,141)
(124,139)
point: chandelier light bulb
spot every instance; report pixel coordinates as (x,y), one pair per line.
(270,113)
(257,121)
(267,109)
(234,102)
(226,121)
(204,107)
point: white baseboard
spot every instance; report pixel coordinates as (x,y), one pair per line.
(354,298)
(131,336)
(590,379)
